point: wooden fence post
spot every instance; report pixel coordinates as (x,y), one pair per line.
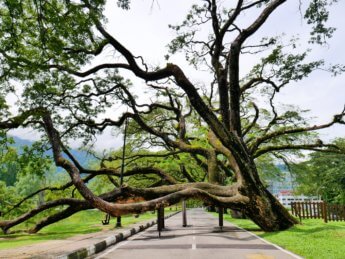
(293,208)
(324,211)
(313,210)
(298,208)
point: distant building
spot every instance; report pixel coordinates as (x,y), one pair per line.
(285,184)
(283,190)
(286,197)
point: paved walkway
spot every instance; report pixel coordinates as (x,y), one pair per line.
(201,239)
(55,248)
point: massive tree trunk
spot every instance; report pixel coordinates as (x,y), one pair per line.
(263,208)
(267,212)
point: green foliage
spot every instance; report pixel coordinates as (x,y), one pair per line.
(323,175)
(267,167)
(188,35)
(317,15)
(100,185)
(28,160)
(23,171)
(124,4)
(8,196)
(33,30)
(9,166)
(285,67)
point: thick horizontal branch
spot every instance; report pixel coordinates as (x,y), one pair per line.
(95,52)
(217,193)
(113,158)
(116,209)
(20,119)
(237,201)
(135,171)
(260,140)
(59,216)
(314,147)
(90,71)
(5,225)
(213,189)
(60,188)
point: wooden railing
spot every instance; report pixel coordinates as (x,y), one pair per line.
(318,210)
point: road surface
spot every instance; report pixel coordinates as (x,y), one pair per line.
(201,239)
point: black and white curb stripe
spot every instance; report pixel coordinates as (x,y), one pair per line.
(109,241)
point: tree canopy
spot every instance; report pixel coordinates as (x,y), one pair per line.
(187,140)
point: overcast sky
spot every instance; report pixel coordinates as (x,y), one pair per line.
(144,30)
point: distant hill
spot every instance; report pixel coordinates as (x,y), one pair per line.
(19,142)
(282,167)
(81,156)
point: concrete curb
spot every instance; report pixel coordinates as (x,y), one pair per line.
(109,241)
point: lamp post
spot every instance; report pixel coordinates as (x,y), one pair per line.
(118,219)
(123,153)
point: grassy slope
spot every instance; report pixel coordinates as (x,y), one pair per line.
(81,223)
(313,239)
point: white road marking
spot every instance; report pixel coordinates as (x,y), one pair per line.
(194,242)
(267,242)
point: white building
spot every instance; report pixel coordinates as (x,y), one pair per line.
(283,189)
(286,197)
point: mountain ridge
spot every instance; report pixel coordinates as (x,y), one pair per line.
(81,156)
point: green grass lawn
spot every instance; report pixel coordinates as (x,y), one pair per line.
(81,223)
(312,239)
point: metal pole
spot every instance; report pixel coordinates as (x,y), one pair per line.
(118,219)
(123,153)
(220,213)
(163,219)
(159,221)
(184,214)
(118,222)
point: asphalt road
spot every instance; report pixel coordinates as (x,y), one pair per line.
(201,239)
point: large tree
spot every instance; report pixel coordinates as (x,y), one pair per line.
(51,56)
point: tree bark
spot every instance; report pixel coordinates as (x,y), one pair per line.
(263,208)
